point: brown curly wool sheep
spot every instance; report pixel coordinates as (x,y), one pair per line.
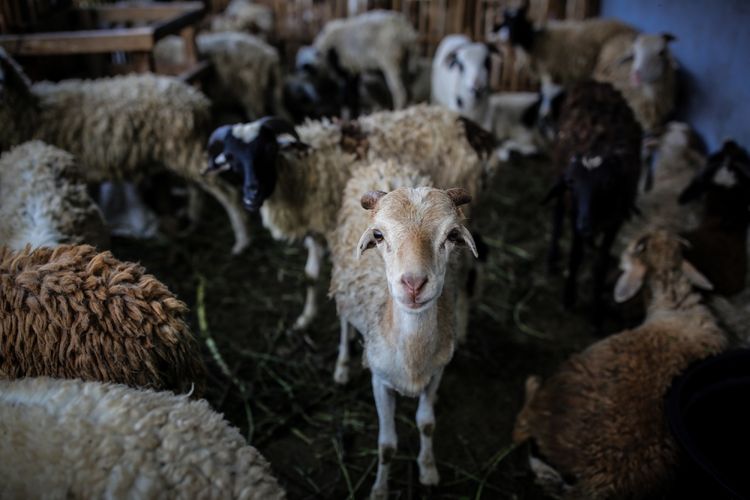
(72,312)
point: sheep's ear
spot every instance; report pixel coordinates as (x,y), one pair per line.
(459,196)
(366,241)
(695,277)
(469,240)
(630,281)
(370,199)
(669,37)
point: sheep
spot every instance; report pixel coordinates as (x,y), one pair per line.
(118,128)
(461,76)
(43,201)
(597,153)
(72,312)
(248,69)
(298,189)
(648,82)
(244,16)
(599,420)
(377,39)
(722,231)
(76,439)
(563,52)
(405,304)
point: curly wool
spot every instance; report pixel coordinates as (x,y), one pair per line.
(307,197)
(44,201)
(72,312)
(74,439)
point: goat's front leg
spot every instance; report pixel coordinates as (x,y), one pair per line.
(395,83)
(312,273)
(385,402)
(428,473)
(341,373)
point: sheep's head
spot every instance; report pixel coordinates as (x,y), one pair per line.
(726,177)
(651,58)
(655,255)
(471,63)
(249,152)
(600,195)
(516,28)
(415,230)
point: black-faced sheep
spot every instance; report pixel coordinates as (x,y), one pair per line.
(598,423)
(74,313)
(77,440)
(117,128)
(597,152)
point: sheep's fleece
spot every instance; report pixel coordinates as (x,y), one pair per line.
(70,439)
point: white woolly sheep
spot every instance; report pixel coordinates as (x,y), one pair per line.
(599,420)
(376,40)
(117,128)
(245,16)
(402,298)
(643,69)
(564,52)
(72,312)
(248,69)
(44,201)
(300,194)
(75,439)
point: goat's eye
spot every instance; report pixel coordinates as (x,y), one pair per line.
(455,236)
(377,235)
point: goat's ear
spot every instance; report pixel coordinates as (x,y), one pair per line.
(695,277)
(469,240)
(459,196)
(669,37)
(557,189)
(370,199)
(451,60)
(366,241)
(630,281)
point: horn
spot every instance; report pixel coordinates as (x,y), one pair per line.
(370,199)
(278,126)
(459,196)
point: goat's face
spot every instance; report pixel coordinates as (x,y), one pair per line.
(471,63)
(654,255)
(415,230)
(249,151)
(651,58)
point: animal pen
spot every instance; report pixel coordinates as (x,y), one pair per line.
(286,267)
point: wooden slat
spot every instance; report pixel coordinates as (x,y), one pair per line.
(123,12)
(177,23)
(80,42)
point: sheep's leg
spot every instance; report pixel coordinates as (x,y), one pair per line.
(341,373)
(312,272)
(395,85)
(600,275)
(428,473)
(558,214)
(385,402)
(576,257)
(229,199)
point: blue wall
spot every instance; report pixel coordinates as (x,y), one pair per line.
(713,49)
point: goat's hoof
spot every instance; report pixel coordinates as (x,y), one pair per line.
(341,373)
(302,323)
(428,474)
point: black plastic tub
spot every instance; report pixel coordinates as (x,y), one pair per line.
(708,410)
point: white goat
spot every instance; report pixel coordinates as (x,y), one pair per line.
(402,299)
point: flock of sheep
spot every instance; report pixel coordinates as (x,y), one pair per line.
(90,345)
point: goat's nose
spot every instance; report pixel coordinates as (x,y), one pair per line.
(414,282)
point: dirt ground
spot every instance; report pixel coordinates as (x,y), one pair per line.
(320,438)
